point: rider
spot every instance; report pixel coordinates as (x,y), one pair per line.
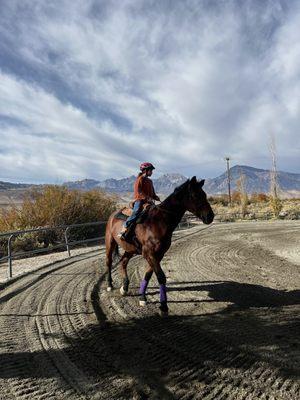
(143,193)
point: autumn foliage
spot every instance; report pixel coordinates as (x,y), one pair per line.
(57,205)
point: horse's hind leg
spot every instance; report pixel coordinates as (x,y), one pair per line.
(111,246)
(143,287)
(124,261)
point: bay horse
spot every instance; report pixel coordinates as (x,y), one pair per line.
(154,235)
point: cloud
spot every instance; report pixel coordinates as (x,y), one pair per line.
(93,88)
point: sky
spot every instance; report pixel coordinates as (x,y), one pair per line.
(92,88)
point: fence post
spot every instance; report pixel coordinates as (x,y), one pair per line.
(9,254)
(66,240)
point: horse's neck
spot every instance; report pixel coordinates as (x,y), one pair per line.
(173,211)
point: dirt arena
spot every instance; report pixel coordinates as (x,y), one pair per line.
(233,331)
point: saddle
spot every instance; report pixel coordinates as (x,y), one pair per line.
(126,212)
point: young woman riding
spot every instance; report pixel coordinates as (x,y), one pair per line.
(143,193)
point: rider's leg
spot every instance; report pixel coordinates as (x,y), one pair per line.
(132,218)
(134,215)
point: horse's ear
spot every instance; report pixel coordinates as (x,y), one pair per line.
(201,183)
(193,181)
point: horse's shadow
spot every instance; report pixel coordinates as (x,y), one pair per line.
(148,350)
(240,295)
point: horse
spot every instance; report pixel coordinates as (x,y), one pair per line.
(154,235)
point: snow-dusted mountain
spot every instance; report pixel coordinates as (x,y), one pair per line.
(256,180)
(164,184)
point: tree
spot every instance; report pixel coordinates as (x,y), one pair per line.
(241,186)
(275,201)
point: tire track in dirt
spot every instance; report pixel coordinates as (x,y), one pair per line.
(241,385)
(17,332)
(64,336)
(34,326)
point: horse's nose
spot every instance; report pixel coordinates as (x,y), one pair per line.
(208,219)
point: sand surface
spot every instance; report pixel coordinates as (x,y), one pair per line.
(232,330)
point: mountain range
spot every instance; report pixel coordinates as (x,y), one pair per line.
(256,180)
(164,184)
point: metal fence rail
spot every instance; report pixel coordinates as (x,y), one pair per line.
(66,244)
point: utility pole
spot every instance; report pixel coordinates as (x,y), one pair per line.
(228,179)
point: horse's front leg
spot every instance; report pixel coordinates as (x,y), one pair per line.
(144,285)
(154,264)
(124,261)
(161,277)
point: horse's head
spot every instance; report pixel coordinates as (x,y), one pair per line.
(196,201)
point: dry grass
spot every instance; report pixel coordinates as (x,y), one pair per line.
(259,206)
(54,206)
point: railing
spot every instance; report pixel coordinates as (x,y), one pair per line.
(187,221)
(67,242)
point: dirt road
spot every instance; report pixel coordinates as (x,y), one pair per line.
(233,330)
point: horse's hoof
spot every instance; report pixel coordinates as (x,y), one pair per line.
(164,313)
(143,303)
(122,291)
(109,288)
(163,309)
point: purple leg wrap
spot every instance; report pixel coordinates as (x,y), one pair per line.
(163,293)
(143,286)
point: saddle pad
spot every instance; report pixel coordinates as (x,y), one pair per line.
(123,214)
(126,211)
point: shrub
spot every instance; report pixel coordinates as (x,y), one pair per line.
(56,205)
(236,197)
(276,205)
(259,198)
(222,199)
(52,206)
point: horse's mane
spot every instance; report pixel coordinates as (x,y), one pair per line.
(181,187)
(176,191)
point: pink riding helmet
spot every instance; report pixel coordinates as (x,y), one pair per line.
(146,165)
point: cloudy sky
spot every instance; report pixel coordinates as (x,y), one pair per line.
(90,88)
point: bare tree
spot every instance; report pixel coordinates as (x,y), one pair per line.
(274,186)
(241,186)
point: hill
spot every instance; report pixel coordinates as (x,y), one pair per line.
(256,180)
(9,185)
(164,184)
